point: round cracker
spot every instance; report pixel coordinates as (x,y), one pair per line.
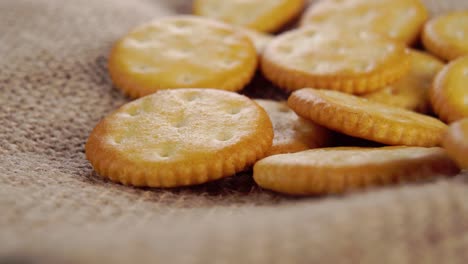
(412,91)
(456,142)
(401,20)
(292,132)
(447,36)
(261,15)
(337,170)
(180,137)
(182,52)
(359,117)
(334,59)
(449,93)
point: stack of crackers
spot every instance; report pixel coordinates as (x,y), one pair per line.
(350,67)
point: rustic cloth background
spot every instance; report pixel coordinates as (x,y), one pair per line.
(53,209)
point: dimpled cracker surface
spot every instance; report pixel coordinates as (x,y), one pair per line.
(182,52)
(447,35)
(336,170)
(54,88)
(292,133)
(399,19)
(412,91)
(334,59)
(180,137)
(362,118)
(456,142)
(261,15)
(449,93)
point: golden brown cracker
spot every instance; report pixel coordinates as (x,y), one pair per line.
(337,170)
(401,20)
(362,118)
(334,59)
(456,142)
(449,93)
(261,15)
(182,52)
(292,133)
(447,35)
(180,137)
(412,91)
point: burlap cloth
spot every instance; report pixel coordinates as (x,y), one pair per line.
(54,209)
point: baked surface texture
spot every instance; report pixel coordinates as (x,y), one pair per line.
(180,137)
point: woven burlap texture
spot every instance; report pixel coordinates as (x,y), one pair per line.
(54,88)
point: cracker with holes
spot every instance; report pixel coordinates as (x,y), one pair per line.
(337,170)
(261,15)
(412,91)
(292,133)
(334,59)
(401,20)
(449,92)
(359,117)
(180,137)
(182,52)
(447,36)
